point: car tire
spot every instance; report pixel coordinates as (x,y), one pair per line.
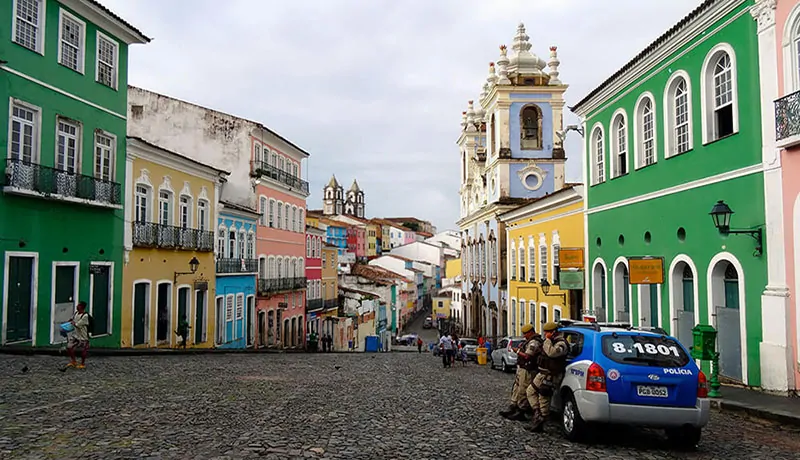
(685,438)
(572,424)
(505,366)
(491,363)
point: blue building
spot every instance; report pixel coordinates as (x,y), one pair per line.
(237,269)
(336,235)
(511,154)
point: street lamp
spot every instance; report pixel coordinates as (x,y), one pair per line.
(194,264)
(721,215)
(546,290)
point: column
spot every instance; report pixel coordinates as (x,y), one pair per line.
(776,359)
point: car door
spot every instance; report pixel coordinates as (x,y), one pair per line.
(497,354)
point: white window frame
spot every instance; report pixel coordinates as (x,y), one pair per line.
(513,261)
(791,52)
(670,137)
(271,219)
(148,205)
(115,74)
(521,260)
(707,91)
(639,130)
(242,240)
(617,150)
(81,58)
(308,246)
(239,307)
(76,137)
(251,245)
(37,127)
(202,217)
(263,203)
(187,207)
(230,309)
(531,260)
(170,211)
(76,267)
(111,155)
(222,241)
(544,261)
(599,168)
(40,27)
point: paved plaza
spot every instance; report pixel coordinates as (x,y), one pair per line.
(357,406)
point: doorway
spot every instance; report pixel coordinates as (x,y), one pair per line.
(262,329)
(101,298)
(20,296)
(141,309)
(200,309)
(727,301)
(220,329)
(599,292)
(163,301)
(184,304)
(65,296)
(251,311)
(648,305)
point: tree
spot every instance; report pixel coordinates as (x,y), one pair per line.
(413,226)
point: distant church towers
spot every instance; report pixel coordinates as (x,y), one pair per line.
(336,203)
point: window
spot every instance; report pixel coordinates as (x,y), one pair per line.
(272,213)
(620,145)
(286,217)
(556,263)
(164,211)
(24,133)
(257,155)
(531,129)
(599,159)
(531,261)
(308,246)
(232,244)
(183,211)
(718,94)
(293,222)
(543,260)
(294,169)
(107,51)
(71,41)
(28,24)
(644,132)
(67,146)
(522,312)
(521,261)
(239,306)
(251,245)
(242,244)
(678,114)
(103,156)
(221,242)
(279,223)
(263,209)
(493,248)
(229,308)
(513,262)
(202,215)
(142,203)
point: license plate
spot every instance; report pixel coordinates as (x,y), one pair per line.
(652,392)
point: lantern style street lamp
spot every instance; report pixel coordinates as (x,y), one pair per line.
(546,290)
(194,264)
(721,215)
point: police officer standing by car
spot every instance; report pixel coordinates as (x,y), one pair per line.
(552,363)
(527,358)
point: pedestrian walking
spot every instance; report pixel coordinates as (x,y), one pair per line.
(419,344)
(446,347)
(527,368)
(183,330)
(79,337)
(552,363)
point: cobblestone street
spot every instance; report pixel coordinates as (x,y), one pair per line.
(385,406)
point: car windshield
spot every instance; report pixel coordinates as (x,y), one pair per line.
(517,342)
(467,342)
(644,350)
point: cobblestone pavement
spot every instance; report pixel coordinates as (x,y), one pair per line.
(343,406)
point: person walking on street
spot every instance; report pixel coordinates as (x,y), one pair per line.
(527,368)
(552,363)
(79,337)
(419,344)
(183,330)
(446,346)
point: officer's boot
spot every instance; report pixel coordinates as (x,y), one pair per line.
(510,412)
(537,423)
(522,415)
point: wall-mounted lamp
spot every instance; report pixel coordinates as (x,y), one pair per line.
(546,290)
(721,215)
(194,264)
(563,134)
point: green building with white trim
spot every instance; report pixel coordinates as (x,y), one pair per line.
(674,131)
(64,80)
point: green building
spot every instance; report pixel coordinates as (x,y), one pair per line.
(671,133)
(64,78)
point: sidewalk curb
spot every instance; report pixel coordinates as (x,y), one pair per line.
(174,352)
(784,417)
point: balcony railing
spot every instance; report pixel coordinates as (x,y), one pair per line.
(152,235)
(47,181)
(330,303)
(314,304)
(787,116)
(237,265)
(269,285)
(262,168)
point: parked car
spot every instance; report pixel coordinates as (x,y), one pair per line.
(471,345)
(428,324)
(503,357)
(408,339)
(617,374)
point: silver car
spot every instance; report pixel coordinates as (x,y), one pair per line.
(503,357)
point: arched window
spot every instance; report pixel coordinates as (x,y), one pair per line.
(598,156)
(521,260)
(513,261)
(678,114)
(263,209)
(292,225)
(222,232)
(619,145)
(531,260)
(791,52)
(279,222)
(493,142)
(645,131)
(543,268)
(531,128)
(308,246)
(280,272)
(622,300)
(718,88)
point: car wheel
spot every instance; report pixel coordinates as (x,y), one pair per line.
(685,437)
(572,424)
(491,363)
(505,366)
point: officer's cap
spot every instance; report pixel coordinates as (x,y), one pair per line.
(551,326)
(527,328)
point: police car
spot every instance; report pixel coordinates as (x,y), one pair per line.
(617,374)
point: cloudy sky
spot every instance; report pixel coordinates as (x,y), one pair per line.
(374,89)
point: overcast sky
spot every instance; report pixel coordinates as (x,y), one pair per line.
(374,89)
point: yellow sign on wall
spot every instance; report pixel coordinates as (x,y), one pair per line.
(570,258)
(646,270)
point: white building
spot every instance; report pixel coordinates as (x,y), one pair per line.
(421,251)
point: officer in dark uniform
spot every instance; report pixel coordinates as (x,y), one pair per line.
(552,363)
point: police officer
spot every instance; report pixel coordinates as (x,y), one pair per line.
(527,356)
(552,363)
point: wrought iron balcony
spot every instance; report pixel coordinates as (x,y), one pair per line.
(330,303)
(152,235)
(270,285)
(26,177)
(264,169)
(237,265)
(787,120)
(314,304)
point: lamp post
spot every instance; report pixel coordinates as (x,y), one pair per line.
(721,215)
(194,264)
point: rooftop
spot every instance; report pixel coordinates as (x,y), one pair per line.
(178,155)
(375,273)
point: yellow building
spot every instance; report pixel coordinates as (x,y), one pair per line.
(169,271)
(452,268)
(372,239)
(330,287)
(544,243)
(441,305)
(312,220)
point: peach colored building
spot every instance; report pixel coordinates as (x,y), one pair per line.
(778,28)
(280,244)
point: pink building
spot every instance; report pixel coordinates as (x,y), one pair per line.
(281,244)
(779,68)
(409,237)
(315,239)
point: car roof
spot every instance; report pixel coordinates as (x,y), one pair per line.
(610,328)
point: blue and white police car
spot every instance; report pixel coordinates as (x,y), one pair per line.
(617,374)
